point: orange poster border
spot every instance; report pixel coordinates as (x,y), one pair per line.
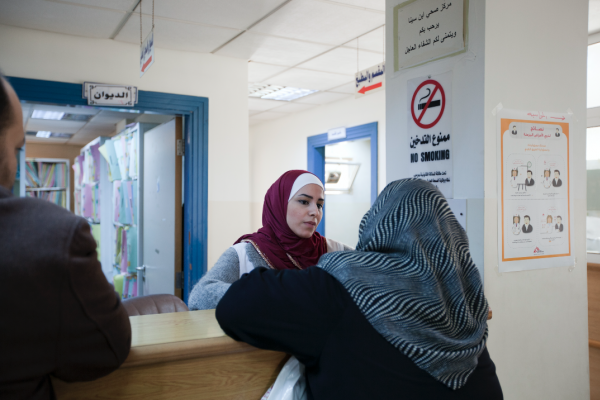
(504,125)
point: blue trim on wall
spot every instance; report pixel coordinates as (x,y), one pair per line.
(195,115)
(316,156)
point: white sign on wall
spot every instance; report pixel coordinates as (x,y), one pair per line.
(427,30)
(147,53)
(99,94)
(534,208)
(370,80)
(336,133)
(429,129)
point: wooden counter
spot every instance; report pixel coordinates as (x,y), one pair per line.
(182,355)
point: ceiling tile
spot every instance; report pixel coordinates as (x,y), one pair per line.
(268,115)
(253,112)
(294,107)
(85,110)
(263,105)
(177,35)
(347,88)
(121,5)
(306,79)
(271,50)
(594,17)
(370,4)
(343,61)
(321,22)
(258,72)
(60,18)
(322,98)
(372,41)
(238,14)
(54,126)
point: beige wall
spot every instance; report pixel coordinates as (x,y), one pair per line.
(539,334)
(224,81)
(39,150)
(280,145)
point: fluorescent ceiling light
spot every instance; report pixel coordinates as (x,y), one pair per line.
(44,134)
(42,114)
(273,92)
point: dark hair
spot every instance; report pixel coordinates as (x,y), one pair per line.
(529,172)
(5,106)
(557,171)
(527,216)
(558,216)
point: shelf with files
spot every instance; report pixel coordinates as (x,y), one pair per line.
(48,179)
(18,189)
(123,156)
(92,197)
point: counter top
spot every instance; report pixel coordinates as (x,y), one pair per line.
(178,336)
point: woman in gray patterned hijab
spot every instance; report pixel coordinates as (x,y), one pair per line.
(413,278)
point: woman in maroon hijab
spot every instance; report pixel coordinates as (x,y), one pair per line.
(292,210)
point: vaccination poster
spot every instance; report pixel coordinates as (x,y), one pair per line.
(534,212)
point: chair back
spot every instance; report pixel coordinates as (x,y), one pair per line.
(154,304)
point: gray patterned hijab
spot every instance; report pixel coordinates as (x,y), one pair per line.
(413,278)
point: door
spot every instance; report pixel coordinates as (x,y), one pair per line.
(159,213)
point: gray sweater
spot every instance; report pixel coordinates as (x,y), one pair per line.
(212,287)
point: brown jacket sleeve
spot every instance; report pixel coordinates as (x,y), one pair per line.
(95,333)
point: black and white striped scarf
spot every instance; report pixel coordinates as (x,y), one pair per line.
(413,278)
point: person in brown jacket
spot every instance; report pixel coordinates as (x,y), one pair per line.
(59,316)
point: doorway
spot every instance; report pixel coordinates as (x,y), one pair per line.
(348,167)
(194,115)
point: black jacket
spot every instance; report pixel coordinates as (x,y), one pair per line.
(310,315)
(60,316)
(527,229)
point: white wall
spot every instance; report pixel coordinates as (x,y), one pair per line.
(344,211)
(280,145)
(517,57)
(539,334)
(43,55)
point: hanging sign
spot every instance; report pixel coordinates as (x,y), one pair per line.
(426,30)
(534,208)
(100,94)
(429,129)
(147,53)
(370,80)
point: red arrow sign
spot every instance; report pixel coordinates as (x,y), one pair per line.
(367,88)
(562,118)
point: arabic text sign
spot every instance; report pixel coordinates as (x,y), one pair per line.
(429,131)
(147,53)
(534,211)
(336,133)
(370,80)
(111,95)
(427,30)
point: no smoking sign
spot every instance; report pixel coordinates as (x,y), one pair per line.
(429,123)
(428,104)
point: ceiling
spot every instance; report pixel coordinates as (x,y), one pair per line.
(310,44)
(83,123)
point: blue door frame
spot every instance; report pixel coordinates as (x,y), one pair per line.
(316,156)
(194,111)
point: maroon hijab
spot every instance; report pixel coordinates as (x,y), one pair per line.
(275,239)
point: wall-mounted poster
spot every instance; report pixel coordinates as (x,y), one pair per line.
(429,130)
(427,30)
(534,208)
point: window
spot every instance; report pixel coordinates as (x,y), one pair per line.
(593,76)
